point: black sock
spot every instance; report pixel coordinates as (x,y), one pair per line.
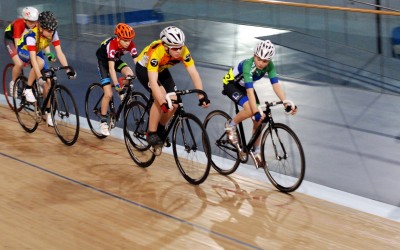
(160,130)
(103,118)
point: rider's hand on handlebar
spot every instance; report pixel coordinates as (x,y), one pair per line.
(50,56)
(257,116)
(41,81)
(290,110)
(204,102)
(71,74)
(164,107)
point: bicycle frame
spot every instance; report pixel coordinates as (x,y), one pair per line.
(179,112)
(116,115)
(247,146)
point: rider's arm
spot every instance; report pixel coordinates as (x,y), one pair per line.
(196,79)
(278,91)
(60,55)
(252,100)
(155,89)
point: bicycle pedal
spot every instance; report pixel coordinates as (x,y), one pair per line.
(157,150)
(167,143)
(242,154)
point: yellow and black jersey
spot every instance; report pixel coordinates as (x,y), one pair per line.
(156,59)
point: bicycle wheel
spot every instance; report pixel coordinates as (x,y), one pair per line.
(28,114)
(135,128)
(225,158)
(93,98)
(7,77)
(284,157)
(191,149)
(65,115)
(138,96)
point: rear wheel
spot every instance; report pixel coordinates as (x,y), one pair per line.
(284,159)
(191,149)
(28,114)
(225,158)
(7,77)
(93,98)
(135,128)
(65,115)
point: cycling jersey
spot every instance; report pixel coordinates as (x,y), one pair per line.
(33,41)
(245,73)
(110,50)
(15,29)
(156,59)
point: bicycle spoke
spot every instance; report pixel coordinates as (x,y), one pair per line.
(284,157)
(27,113)
(135,128)
(225,158)
(7,77)
(191,149)
(65,115)
(94,96)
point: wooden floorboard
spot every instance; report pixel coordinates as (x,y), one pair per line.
(92,196)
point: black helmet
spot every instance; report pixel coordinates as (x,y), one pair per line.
(47,20)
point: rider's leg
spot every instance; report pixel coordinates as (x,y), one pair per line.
(106,99)
(17,67)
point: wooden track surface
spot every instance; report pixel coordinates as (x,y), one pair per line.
(92,196)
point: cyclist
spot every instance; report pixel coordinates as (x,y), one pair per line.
(109,63)
(13,33)
(238,86)
(30,50)
(153,73)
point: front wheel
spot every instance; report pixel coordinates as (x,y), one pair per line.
(65,115)
(28,113)
(191,149)
(225,157)
(135,128)
(284,157)
(93,98)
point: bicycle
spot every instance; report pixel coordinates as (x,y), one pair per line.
(7,76)
(190,144)
(63,109)
(281,151)
(93,98)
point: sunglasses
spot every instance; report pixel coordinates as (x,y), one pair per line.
(175,48)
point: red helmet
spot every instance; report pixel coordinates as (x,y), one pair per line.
(124,31)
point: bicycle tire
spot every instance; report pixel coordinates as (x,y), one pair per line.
(138,96)
(28,114)
(285,171)
(193,156)
(135,127)
(94,95)
(65,116)
(7,77)
(225,157)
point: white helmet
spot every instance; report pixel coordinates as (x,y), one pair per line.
(172,36)
(30,14)
(265,50)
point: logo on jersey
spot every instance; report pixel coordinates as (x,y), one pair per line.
(154,62)
(187,58)
(112,53)
(236,96)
